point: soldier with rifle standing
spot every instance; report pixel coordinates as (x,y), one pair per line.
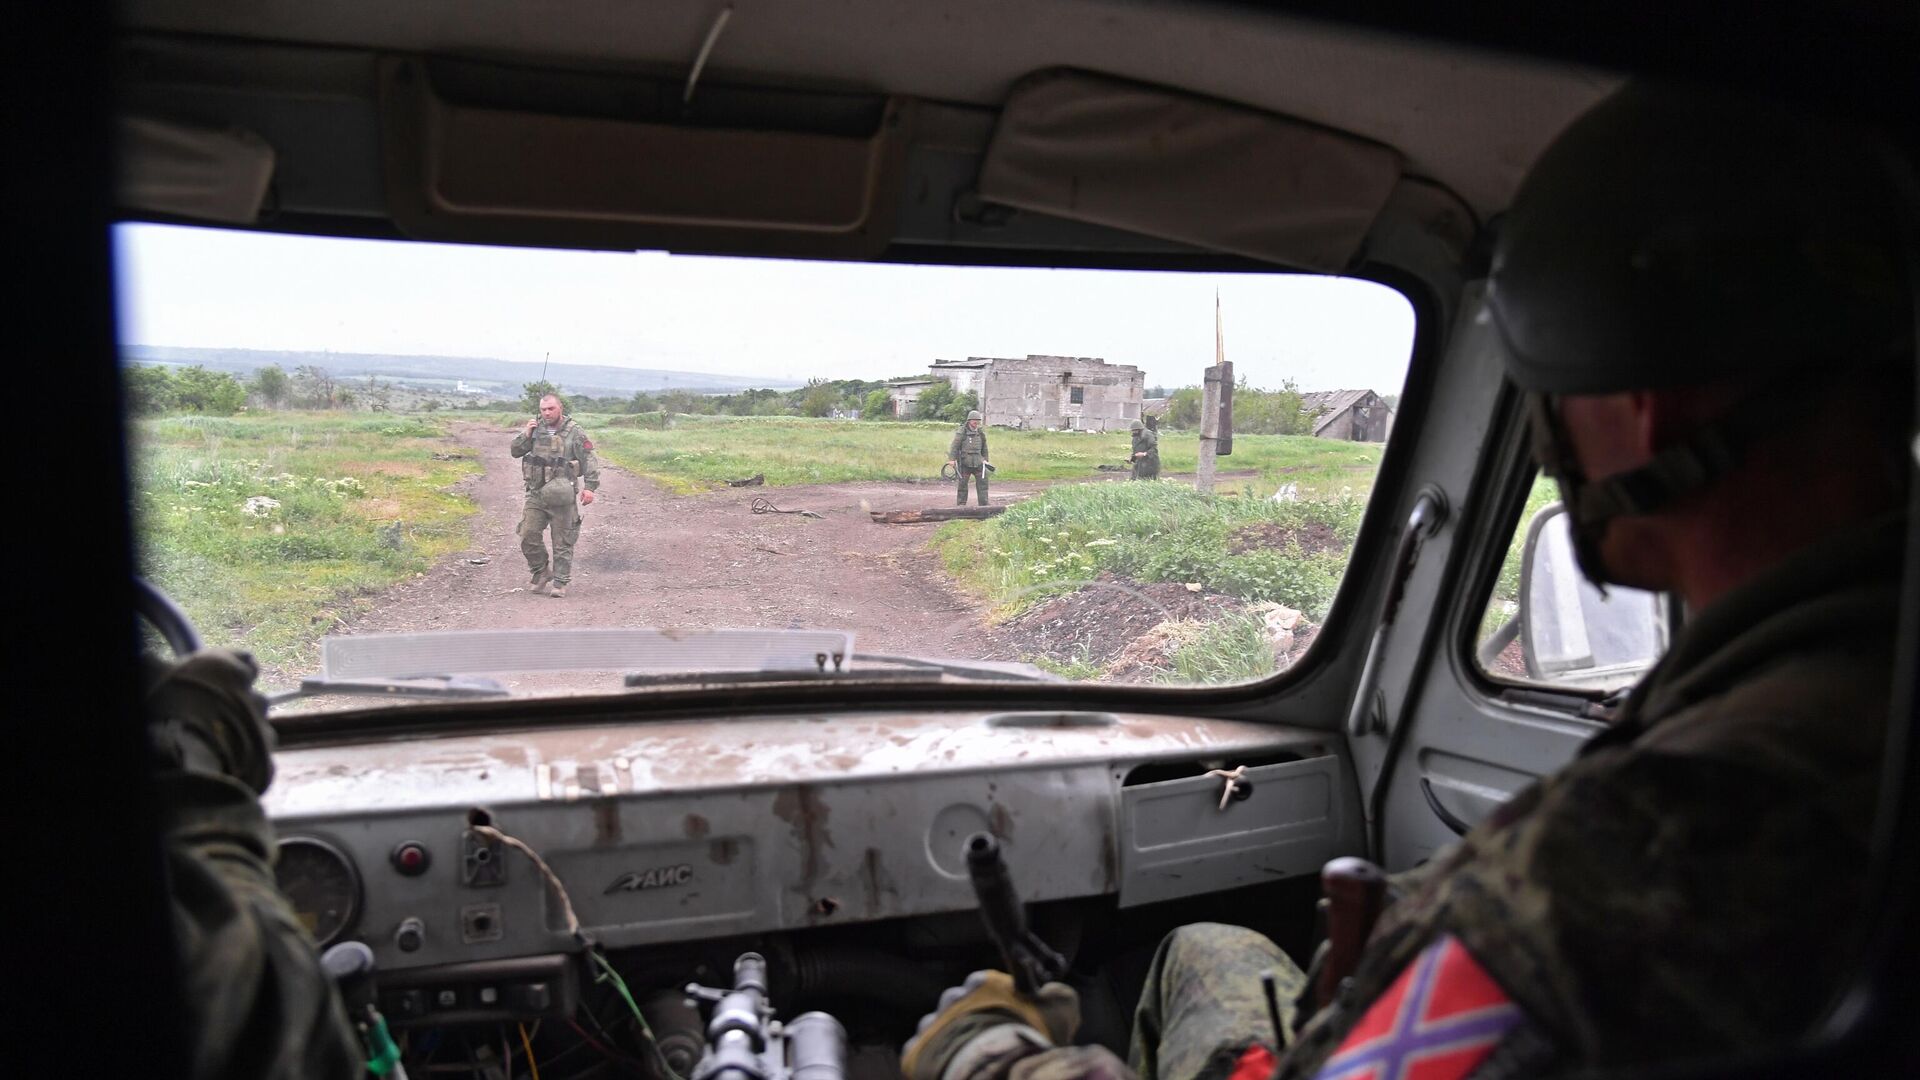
(968,454)
(1146,452)
(556,457)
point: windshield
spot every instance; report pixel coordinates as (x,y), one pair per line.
(421,468)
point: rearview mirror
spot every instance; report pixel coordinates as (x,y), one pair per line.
(1571,633)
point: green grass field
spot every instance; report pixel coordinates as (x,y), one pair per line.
(361,504)
(699,452)
(1163,531)
(1258,550)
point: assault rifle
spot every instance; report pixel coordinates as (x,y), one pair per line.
(745,1042)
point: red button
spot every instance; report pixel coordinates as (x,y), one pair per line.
(411,858)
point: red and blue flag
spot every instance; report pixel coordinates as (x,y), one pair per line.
(1438,1021)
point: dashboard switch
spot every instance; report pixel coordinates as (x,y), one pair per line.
(536,997)
(411,935)
(447,999)
(411,858)
(489,995)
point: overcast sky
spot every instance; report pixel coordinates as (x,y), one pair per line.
(776,319)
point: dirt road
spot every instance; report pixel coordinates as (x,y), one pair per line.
(647,557)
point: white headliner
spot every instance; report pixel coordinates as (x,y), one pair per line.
(1471,120)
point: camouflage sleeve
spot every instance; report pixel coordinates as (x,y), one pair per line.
(953,448)
(589,462)
(522,444)
(1614,904)
(1014,1052)
(984,455)
(1070,1063)
(259,1003)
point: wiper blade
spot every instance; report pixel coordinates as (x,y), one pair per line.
(794,675)
(906,669)
(980,669)
(426,686)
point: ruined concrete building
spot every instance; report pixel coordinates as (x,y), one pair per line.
(1071,393)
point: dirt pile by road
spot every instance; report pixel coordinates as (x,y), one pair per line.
(1311,538)
(1095,623)
(1128,630)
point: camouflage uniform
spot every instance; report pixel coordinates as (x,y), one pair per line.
(550,459)
(1146,440)
(258,1002)
(968,452)
(1683,888)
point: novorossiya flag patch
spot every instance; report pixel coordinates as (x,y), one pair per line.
(1438,1021)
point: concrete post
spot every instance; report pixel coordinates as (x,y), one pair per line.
(1209,427)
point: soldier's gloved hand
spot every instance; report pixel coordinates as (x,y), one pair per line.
(985,1019)
(203,714)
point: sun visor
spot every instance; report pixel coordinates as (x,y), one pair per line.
(202,174)
(1196,170)
(498,175)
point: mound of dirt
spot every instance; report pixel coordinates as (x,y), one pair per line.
(1093,624)
(1312,538)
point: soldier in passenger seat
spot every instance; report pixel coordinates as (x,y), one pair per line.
(1708,305)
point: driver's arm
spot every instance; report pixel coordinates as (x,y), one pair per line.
(257,1001)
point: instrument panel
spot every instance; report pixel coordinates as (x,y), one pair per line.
(488,848)
(321,883)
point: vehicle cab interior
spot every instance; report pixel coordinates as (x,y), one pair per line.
(539,881)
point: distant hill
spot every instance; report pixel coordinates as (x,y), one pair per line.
(481,374)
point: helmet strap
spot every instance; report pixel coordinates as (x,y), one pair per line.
(1691,465)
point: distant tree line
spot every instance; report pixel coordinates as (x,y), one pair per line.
(1255,412)
(152,389)
(865,398)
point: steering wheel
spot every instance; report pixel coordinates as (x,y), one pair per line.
(165,616)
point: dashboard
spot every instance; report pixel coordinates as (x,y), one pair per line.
(466,861)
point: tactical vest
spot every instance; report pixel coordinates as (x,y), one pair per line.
(973,446)
(548,459)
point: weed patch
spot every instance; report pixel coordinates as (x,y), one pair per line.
(270,530)
(1155,580)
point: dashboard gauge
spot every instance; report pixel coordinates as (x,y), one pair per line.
(321,883)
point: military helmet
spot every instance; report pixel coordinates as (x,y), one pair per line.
(1135,426)
(975,415)
(1676,237)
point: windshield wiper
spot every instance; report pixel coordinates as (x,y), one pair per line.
(424,686)
(907,669)
(983,669)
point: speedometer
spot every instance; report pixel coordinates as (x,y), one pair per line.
(321,883)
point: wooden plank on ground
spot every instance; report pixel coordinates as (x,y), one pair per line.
(939,513)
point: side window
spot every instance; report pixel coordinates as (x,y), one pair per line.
(1546,624)
(1077,395)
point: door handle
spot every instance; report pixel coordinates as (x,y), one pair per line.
(1447,817)
(1429,513)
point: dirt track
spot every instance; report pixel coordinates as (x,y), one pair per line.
(647,557)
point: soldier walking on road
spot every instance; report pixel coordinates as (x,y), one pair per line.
(1146,452)
(556,458)
(968,455)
